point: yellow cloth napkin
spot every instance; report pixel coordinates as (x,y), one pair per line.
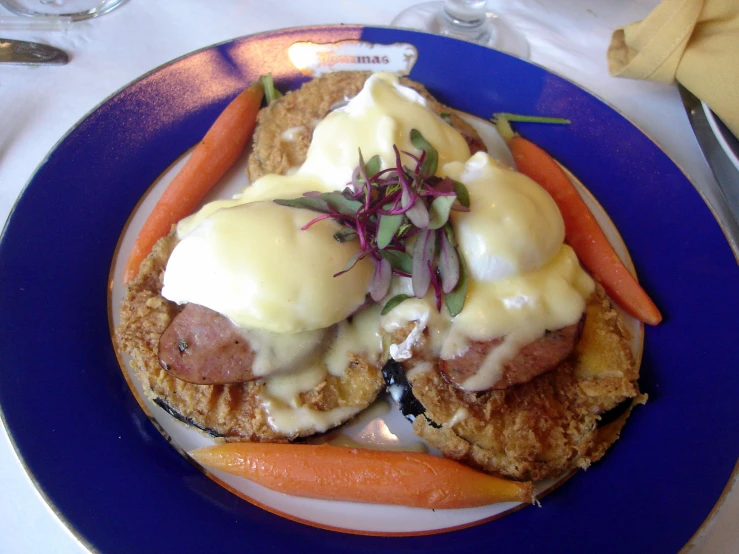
(695,42)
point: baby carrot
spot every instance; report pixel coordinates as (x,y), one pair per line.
(582,231)
(210,160)
(359,475)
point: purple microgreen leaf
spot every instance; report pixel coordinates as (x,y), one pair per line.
(418,214)
(341,203)
(357,184)
(389,225)
(439,211)
(403,179)
(436,286)
(414,209)
(399,260)
(431,160)
(463,195)
(423,256)
(393,302)
(381,280)
(305,202)
(386,208)
(419,161)
(444,186)
(345,235)
(353,261)
(361,234)
(454,300)
(405,198)
(349,194)
(448,263)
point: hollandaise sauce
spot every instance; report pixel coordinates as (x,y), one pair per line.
(524,280)
(358,337)
(271,271)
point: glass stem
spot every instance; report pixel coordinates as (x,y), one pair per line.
(465,19)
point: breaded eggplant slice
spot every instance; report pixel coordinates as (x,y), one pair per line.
(543,428)
(233,412)
(285,127)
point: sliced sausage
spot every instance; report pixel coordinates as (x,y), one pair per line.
(204,347)
(534,359)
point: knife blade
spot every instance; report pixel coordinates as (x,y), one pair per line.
(723,198)
(30,53)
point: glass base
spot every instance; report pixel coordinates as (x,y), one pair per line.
(76,10)
(429,17)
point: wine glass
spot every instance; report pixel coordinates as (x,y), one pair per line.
(73,10)
(467,20)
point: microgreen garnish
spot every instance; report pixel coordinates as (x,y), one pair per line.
(454,300)
(431,156)
(394,301)
(384,208)
(446,116)
(531,118)
(400,261)
(502,122)
(270,92)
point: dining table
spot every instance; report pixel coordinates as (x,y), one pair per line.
(39,104)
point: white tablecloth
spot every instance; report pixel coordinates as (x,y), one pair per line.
(39,104)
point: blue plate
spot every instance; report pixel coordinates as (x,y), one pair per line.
(98,459)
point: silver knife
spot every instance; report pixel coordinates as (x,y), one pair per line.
(724,199)
(30,53)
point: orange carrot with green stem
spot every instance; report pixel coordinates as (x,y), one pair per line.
(210,160)
(360,475)
(582,231)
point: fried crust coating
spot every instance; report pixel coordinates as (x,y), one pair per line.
(300,111)
(546,427)
(233,412)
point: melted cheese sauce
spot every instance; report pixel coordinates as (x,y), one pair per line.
(380,116)
(282,352)
(288,388)
(549,298)
(460,415)
(361,335)
(269,187)
(281,393)
(292,420)
(520,308)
